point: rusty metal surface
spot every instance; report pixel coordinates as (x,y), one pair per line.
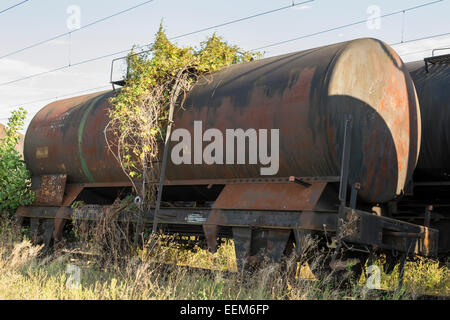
(211,231)
(49,189)
(41,231)
(363,228)
(254,246)
(269,243)
(391,234)
(44,212)
(66,137)
(242,238)
(60,221)
(307,96)
(304,94)
(252,180)
(273,196)
(434,96)
(22,212)
(71,193)
(193,216)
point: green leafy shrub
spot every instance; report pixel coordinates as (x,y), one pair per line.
(14,176)
(158,79)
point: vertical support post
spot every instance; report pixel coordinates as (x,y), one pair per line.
(401,269)
(354,194)
(34,229)
(427,218)
(242,244)
(401,272)
(345,163)
(345,166)
(164,160)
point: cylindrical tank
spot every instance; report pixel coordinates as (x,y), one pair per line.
(433,90)
(67,136)
(306,95)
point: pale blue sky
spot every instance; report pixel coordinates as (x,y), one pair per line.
(38,20)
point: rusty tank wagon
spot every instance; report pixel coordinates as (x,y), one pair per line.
(349,140)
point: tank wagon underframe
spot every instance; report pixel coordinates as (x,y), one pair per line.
(366,228)
(259,214)
(330,174)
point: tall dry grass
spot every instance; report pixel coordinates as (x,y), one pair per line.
(169,273)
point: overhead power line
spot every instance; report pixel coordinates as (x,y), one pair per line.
(422,38)
(344,26)
(127,50)
(59,96)
(241,19)
(61,68)
(66,95)
(105,87)
(139,5)
(426,50)
(13,6)
(73,31)
(227,23)
(414,52)
(120,52)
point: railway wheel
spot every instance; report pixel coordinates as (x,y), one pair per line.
(341,269)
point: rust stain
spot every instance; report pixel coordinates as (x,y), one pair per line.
(273,196)
(50,190)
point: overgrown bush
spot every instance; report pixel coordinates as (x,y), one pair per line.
(14,176)
(157,80)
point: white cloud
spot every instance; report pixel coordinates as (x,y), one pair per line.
(43,87)
(303,7)
(417,50)
(59,42)
(12,69)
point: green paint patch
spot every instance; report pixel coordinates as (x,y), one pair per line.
(84,166)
